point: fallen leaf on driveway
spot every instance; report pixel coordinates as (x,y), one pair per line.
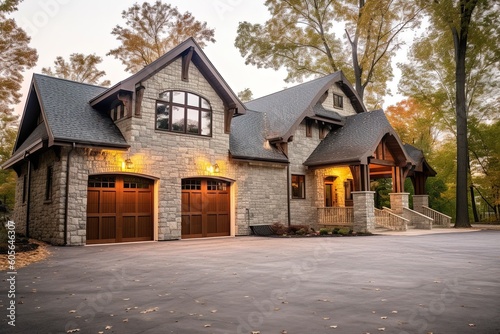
(149,310)
(73,330)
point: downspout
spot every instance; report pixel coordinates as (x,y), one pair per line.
(66,199)
(288,193)
(28,193)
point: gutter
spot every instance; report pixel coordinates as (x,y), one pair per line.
(66,199)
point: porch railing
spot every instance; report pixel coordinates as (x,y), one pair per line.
(418,220)
(386,218)
(440,219)
(342,216)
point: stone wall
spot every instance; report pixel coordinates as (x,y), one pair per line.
(46,217)
(328,103)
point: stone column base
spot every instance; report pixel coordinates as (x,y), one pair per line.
(399,201)
(364,211)
(419,201)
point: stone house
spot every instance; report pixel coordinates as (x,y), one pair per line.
(171,153)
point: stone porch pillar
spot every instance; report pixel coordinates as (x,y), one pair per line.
(364,211)
(419,201)
(399,201)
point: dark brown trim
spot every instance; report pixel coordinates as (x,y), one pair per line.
(186,61)
(139,95)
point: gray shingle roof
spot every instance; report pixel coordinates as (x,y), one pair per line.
(287,108)
(354,142)
(421,164)
(70,117)
(40,133)
(247,139)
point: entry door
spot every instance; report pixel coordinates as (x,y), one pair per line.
(119,209)
(330,199)
(205,208)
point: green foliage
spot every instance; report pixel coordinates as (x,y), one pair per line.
(345,231)
(324,231)
(152,30)
(80,68)
(382,188)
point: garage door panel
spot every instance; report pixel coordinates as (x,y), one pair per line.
(129,202)
(144,201)
(145,227)
(108,228)
(223,202)
(93,201)
(212,223)
(196,200)
(93,228)
(108,202)
(223,224)
(129,229)
(195,226)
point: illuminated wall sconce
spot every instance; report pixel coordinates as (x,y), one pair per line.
(213,168)
(127,164)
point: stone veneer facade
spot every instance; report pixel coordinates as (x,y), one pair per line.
(258,189)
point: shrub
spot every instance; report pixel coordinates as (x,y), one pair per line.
(294,229)
(345,231)
(324,231)
(279,229)
(335,230)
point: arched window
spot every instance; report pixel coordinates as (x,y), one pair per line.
(183,112)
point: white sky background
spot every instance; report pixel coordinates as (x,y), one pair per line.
(63,27)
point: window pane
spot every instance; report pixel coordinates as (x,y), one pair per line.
(178,97)
(165,96)
(192,121)
(193,100)
(298,186)
(206,123)
(205,104)
(178,119)
(162,116)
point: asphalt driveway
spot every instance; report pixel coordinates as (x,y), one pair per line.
(433,283)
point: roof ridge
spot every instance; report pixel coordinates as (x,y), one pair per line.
(68,80)
(292,87)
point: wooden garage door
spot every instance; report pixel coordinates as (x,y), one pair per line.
(205,208)
(119,209)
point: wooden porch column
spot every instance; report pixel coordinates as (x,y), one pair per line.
(364,211)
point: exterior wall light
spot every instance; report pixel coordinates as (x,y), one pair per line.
(129,164)
(216,168)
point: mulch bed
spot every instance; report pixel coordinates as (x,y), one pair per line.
(27,252)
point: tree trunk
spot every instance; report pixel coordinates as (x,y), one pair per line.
(460,41)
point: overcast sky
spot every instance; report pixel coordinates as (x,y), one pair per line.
(62,27)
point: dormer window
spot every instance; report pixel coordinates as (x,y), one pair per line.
(183,112)
(338,101)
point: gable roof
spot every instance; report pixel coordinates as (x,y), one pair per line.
(356,141)
(287,108)
(67,118)
(190,49)
(421,164)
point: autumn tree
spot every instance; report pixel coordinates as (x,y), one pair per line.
(456,72)
(152,30)
(245,95)
(300,36)
(15,55)
(80,67)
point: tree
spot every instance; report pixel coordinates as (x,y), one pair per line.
(81,68)
(8,131)
(152,31)
(245,95)
(300,37)
(472,27)
(15,56)
(414,124)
